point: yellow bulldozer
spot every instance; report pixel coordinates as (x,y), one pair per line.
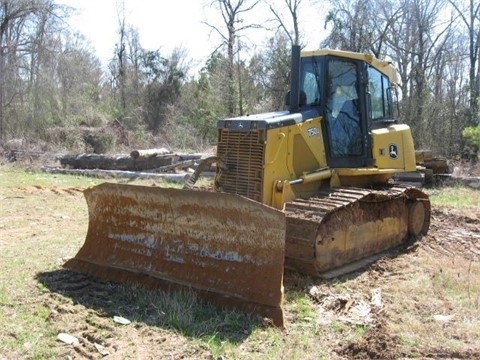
(309,189)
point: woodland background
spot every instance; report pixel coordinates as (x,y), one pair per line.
(56,96)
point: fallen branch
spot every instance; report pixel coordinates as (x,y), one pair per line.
(178,165)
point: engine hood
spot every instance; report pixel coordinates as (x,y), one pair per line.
(268,120)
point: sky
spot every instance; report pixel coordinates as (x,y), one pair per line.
(169,24)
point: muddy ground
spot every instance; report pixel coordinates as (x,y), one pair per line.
(391,327)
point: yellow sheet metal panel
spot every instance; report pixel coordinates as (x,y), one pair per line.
(308,148)
(392,148)
(292,151)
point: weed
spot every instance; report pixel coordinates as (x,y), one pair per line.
(359,329)
(407,340)
(457,196)
(302,308)
(339,327)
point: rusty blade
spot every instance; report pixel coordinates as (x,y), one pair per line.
(227,247)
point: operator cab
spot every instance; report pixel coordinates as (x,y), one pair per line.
(352,96)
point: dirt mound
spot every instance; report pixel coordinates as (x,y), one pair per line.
(377,343)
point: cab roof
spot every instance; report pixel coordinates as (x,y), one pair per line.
(383,66)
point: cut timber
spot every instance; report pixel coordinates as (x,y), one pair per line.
(176,166)
(149,153)
(115,162)
(430,166)
(423,155)
(438,164)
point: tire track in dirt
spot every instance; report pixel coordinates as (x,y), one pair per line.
(36,189)
(84,307)
(76,317)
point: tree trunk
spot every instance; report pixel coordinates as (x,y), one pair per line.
(116,162)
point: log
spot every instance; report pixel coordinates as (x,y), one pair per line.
(416,178)
(438,165)
(149,153)
(106,174)
(468,181)
(190,156)
(423,155)
(115,162)
(175,166)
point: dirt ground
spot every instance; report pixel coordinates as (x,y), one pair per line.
(391,328)
(455,235)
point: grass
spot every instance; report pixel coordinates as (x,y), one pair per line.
(457,197)
(42,224)
(13,177)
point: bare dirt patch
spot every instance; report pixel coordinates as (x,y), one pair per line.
(377,343)
(86,308)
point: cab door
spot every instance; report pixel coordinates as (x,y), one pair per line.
(346,128)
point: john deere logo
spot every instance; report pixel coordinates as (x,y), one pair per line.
(393,151)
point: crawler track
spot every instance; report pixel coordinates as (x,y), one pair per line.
(344,225)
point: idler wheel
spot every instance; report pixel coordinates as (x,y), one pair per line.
(416,217)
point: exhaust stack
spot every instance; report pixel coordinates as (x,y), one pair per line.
(294,103)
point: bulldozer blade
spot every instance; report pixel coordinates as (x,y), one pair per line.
(227,248)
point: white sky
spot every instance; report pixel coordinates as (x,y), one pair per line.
(166,24)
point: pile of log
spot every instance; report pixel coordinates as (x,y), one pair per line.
(150,163)
(431,170)
(438,164)
(433,167)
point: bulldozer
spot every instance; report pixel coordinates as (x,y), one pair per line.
(308,188)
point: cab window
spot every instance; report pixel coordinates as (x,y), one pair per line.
(380,97)
(342,109)
(310,80)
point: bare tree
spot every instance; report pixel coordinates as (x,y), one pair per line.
(27,29)
(273,70)
(293,8)
(470,17)
(79,81)
(232,12)
(120,53)
(353,25)
(415,36)
(450,100)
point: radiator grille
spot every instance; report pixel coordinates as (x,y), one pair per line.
(243,154)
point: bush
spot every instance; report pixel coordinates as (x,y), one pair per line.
(100,142)
(472,135)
